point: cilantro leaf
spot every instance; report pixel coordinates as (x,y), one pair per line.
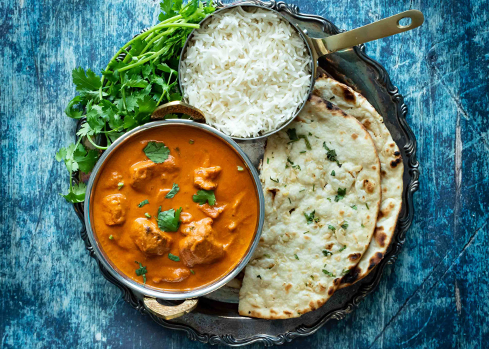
(310,217)
(77,158)
(85,81)
(66,154)
(141,271)
(329,273)
(292,133)
(85,159)
(204,196)
(173,257)
(96,118)
(169,8)
(73,109)
(164,67)
(189,9)
(308,144)
(136,81)
(142,203)
(331,154)
(169,221)
(327,253)
(76,193)
(341,194)
(157,152)
(174,190)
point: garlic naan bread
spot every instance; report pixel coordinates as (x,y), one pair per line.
(391,173)
(321,180)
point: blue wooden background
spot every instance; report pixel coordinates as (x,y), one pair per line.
(52,294)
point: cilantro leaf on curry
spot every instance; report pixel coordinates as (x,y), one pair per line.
(157,152)
(173,257)
(204,196)
(142,203)
(169,221)
(174,190)
(141,271)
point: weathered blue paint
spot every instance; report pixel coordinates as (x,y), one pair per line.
(52,294)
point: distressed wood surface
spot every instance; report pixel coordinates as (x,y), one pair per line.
(435,295)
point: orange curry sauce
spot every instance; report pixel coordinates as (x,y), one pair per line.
(126,235)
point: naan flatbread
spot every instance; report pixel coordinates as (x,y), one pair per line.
(319,216)
(392,169)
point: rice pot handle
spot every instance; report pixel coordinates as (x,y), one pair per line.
(178,107)
(169,312)
(377,30)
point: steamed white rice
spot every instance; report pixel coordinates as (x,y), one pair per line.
(247,71)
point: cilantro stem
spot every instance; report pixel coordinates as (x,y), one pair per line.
(123,97)
(169,31)
(142,36)
(165,90)
(94,144)
(130,42)
(71,172)
(130,66)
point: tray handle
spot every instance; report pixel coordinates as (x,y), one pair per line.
(178,107)
(169,312)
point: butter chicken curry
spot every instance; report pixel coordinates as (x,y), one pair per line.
(174,208)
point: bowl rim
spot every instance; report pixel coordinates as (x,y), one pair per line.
(297,29)
(154,292)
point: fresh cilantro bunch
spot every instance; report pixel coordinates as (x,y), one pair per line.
(140,76)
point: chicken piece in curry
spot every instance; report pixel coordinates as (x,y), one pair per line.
(200,245)
(174,208)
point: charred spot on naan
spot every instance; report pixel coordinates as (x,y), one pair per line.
(346,93)
(376,258)
(354,256)
(380,236)
(369,186)
(395,162)
(385,211)
(352,276)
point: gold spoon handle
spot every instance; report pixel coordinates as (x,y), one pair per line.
(377,30)
(178,107)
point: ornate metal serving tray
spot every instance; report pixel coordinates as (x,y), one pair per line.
(216,319)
